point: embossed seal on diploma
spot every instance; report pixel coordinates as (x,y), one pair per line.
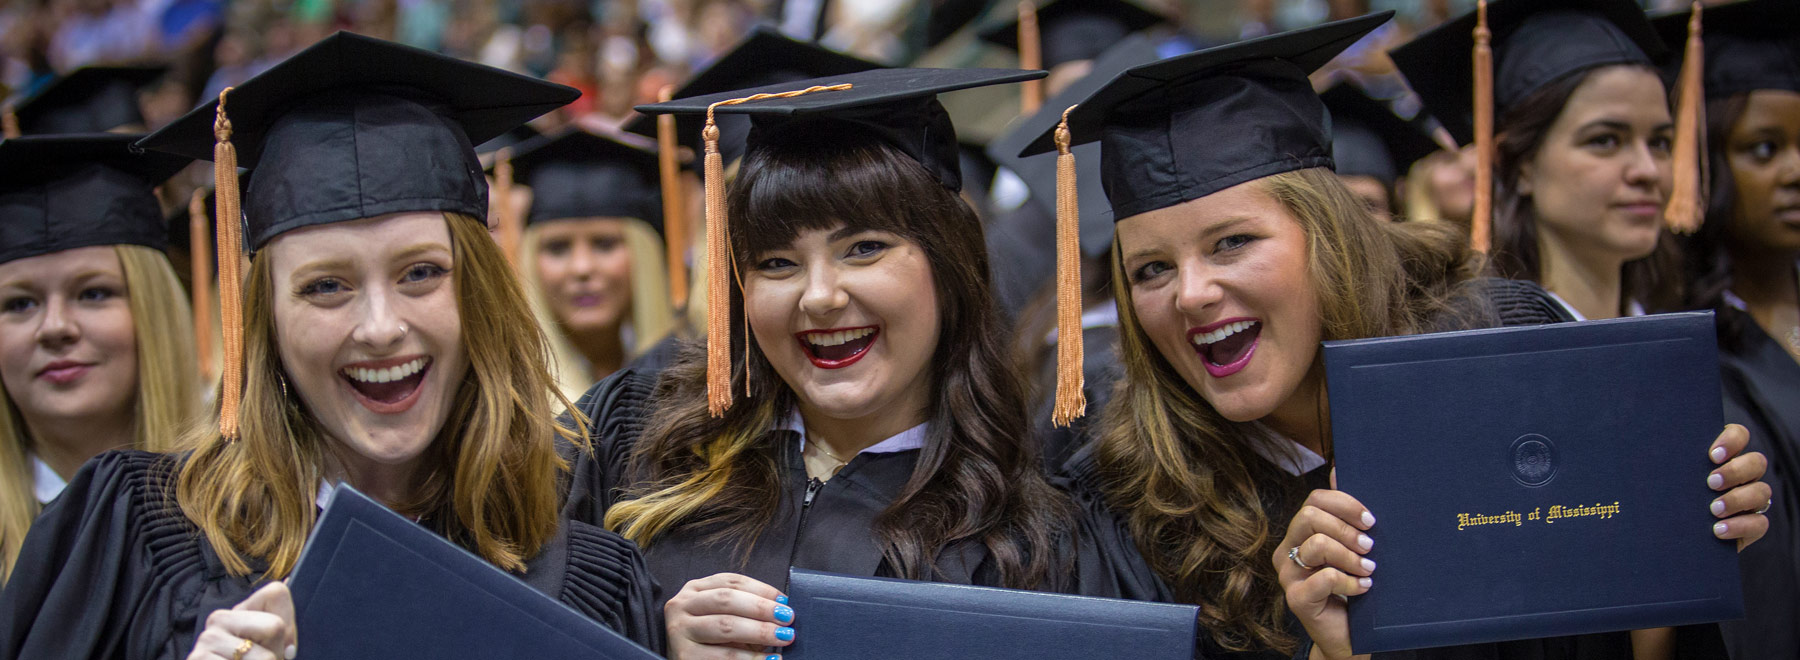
(1533,460)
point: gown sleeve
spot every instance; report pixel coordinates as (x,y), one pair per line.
(609,582)
(112,569)
(617,409)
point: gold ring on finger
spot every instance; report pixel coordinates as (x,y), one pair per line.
(1294,554)
(242,649)
(1766,506)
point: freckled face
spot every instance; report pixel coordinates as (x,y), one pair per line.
(848,318)
(368,330)
(68,348)
(1221,286)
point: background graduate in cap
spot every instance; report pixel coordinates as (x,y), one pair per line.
(380,339)
(97,347)
(592,253)
(1372,147)
(95,99)
(870,421)
(1237,252)
(1582,137)
(1742,265)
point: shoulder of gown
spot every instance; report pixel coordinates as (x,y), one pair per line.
(607,580)
(113,569)
(617,409)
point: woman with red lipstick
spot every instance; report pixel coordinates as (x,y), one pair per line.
(95,348)
(592,256)
(881,432)
(1235,258)
(385,344)
(1744,264)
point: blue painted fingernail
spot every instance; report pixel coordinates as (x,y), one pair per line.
(783,614)
(781,599)
(784,634)
(773,657)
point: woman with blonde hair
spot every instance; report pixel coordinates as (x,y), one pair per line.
(383,343)
(592,255)
(97,337)
(1235,258)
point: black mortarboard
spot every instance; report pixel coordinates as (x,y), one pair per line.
(1073,29)
(1189,126)
(899,105)
(1749,45)
(577,174)
(1536,42)
(1368,139)
(763,58)
(354,127)
(1039,171)
(513,138)
(93,99)
(60,192)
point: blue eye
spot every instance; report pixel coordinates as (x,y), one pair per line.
(423,272)
(1235,241)
(322,287)
(867,248)
(1148,271)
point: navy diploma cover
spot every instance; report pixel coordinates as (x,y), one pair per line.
(842,616)
(371,584)
(1533,482)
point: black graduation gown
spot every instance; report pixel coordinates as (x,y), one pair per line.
(1762,392)
(833,532)
(112,569)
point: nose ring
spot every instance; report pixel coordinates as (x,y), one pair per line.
(403,329)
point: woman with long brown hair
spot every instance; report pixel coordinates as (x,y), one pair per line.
(385,345)
(869,422)
(1235,258)
(98,349)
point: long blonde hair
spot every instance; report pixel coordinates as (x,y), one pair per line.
(1206,510)
(167,397)
(492,475)
(652,315)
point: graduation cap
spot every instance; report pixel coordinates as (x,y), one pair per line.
(93,99)
(1368,139)
(1039,171)
(898,106)
(1749,46)
(1074,29)
(61,192)
(518,135)
(577,174)
(352,127)
(1535,43)
(764,57)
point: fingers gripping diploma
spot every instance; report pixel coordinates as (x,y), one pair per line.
(260,628)
(1743,495)
(728,617)
(1320,564)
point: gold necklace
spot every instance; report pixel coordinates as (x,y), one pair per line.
(820,447)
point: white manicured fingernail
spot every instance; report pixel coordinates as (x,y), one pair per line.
(1719,529)
(1715,481)
(1368,519)
(1364,541)
(1718,454)
(1365,582)
(1368,565)
(1718,507)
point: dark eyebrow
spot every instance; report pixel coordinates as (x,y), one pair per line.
(847,231)
(1616,125)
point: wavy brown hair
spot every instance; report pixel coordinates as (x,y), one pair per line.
(1206,510)
(492,476)
(1654,281)
(977,478)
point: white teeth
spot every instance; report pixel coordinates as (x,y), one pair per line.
(387,375)
(1221,333)
(839,337)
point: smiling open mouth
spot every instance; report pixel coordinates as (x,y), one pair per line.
(836,349)
(1226,350)
(388,385)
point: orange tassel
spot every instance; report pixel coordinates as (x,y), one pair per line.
(1071,401)
(200,271)
(1687,202)
(674,199)
(231,278)
(1482,220)
(721,268)
(511,228)
(1031,92)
